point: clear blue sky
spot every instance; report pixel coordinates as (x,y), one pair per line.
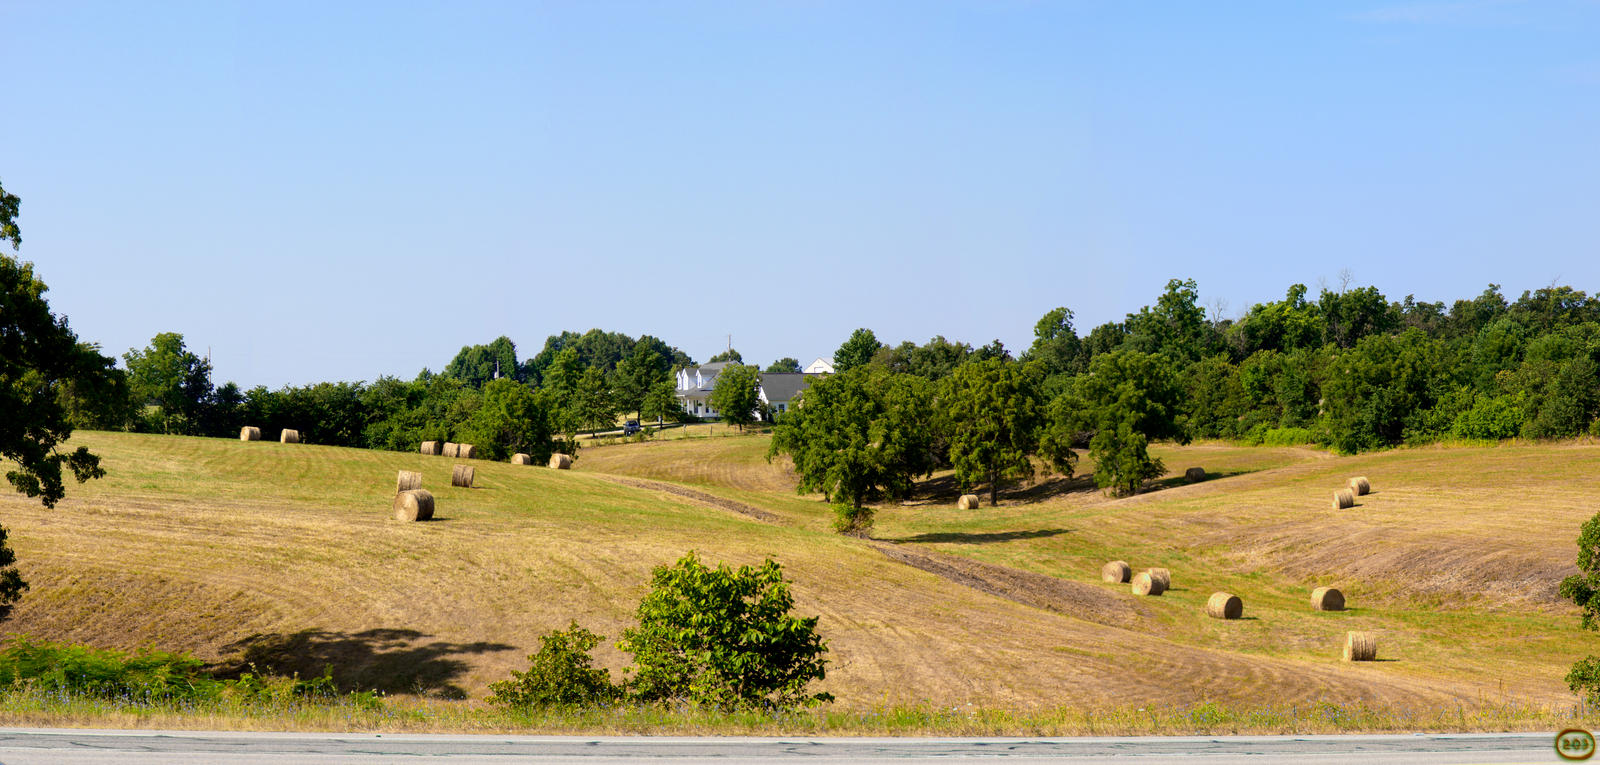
(335,191)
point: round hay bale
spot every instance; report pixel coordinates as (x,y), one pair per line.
(1360,646)
(1195,474)
(968,502)
(1343,499)
(1361,486)
(561,461)
(1163,576)
(413,505)
(1224,605)
(1327,599)
(432,448)
(1116,572)
(462,475)
(289,436)
(450,449)
(466,451)
(407,481)
(1144,584)
(249,433)
(521,459)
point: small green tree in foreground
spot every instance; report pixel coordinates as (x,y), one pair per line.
(1584,589)
(561,674)
(723,637)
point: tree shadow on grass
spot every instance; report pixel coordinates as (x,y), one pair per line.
(1178,480)
(387,660)
(978,538)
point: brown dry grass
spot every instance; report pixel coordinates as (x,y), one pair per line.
(288,558)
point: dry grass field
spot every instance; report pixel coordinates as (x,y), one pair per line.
(286,557)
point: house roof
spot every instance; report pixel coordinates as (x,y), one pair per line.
(784,386)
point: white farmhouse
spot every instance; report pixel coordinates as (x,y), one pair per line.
(775,390)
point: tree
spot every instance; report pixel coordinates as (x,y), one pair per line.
(636,375)
(993,410)
(1127,399)
(510,418)
(734,395)
(785,365)
(858,435)
(727,355)
(39,356)
(478,364)
(171,378)
(1175,327)
(661,402)
(1056,345)
(724,637)
(856,351)
(1583,589)
(593,407)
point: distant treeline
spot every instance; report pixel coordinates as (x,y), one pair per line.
(1350,369)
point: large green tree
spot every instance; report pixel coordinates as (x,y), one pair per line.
(734,395)
(511,418)
(857,351)
(171,378)
(1127,399)
(859,435)
(994,416)
(39,355)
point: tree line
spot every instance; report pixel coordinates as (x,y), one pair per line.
(1351,370)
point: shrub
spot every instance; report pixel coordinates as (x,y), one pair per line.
(1494,418)
(561,674)
(849,519)
(1287,436)
(724,638)
(1584,680)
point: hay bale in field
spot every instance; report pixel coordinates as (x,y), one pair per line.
(1224,605)
(1195,475)
(521,459)
(1343,499)
(1145,584)
(408,480)
(1116,572)
(561,461)
(249,433)
(432,448)
(289,436)
(451,448)
(1327,599)
(968,502)
(462,475)
(1361,486)
(466,451)
(1161,575)
(1360,646)
(413,505)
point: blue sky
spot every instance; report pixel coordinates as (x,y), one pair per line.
(335,191)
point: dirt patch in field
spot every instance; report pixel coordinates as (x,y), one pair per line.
(1075,599)
(704,498)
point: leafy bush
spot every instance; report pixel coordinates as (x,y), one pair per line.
(1584,589)
(561,674)
(723,637)
(1584,680)
(1287,436)
(849,519)
(1491,418)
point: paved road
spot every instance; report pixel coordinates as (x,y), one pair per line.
(83,747)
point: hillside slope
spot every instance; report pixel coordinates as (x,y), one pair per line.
(286,557)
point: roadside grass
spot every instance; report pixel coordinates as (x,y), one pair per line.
(28,709)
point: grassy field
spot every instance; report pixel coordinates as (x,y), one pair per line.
(285,557)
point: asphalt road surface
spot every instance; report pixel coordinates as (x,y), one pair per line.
(82,747)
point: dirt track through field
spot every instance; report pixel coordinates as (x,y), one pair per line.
(704,498)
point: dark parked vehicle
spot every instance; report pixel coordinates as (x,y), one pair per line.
(630,427)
